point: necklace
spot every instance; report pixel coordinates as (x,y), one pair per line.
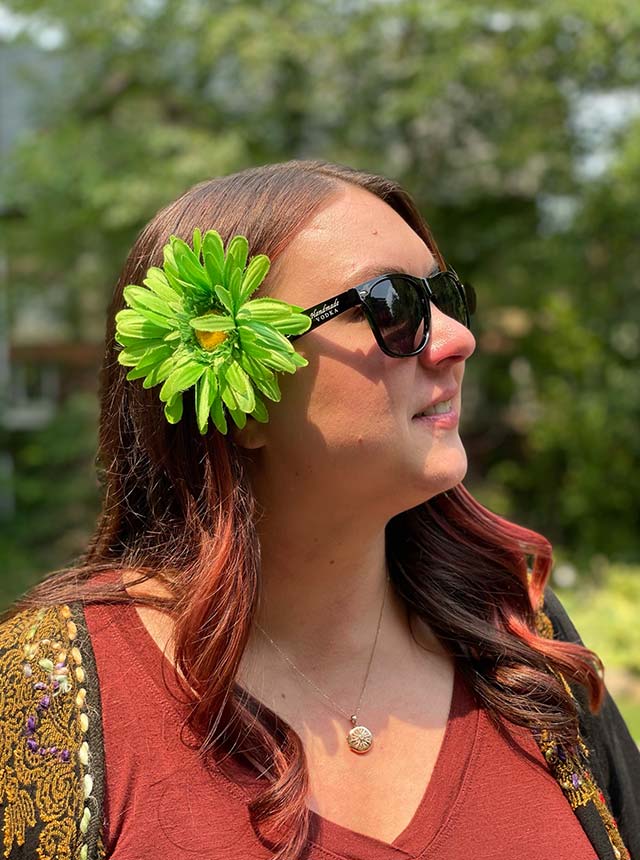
(359,738)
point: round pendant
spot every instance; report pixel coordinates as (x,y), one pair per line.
(360,739)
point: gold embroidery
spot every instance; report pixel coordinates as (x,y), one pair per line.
(570,766)
(44,759)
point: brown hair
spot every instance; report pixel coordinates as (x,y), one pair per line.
(178,510)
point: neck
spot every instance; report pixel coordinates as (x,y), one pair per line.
(323,584)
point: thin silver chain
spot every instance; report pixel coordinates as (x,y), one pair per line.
(309,681)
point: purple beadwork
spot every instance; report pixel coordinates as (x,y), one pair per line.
(44,703)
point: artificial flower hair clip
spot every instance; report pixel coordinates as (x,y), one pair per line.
(193,323)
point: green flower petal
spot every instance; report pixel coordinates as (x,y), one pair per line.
(155,356)
(255,274)
(161,371)
(238,251)
(263,378)
(173,409)
(217,414)
(234,287)
(225,298)
(260,413)
(136,373)
(206,391)
(181,379)
(267,336)
(239,417)
(150,306)
(197,241)
(157,281)
(239,381)
(213,256)
(213,322)
(131,355)
(130,324)
(189,266)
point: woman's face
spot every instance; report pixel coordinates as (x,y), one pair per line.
(344,431)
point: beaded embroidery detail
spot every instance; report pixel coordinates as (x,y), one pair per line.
(45,764)
(570,765)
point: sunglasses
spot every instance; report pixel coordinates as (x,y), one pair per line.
(398,308)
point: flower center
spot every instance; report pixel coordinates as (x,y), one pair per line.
(210,339)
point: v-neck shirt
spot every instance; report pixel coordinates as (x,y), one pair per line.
(490,795)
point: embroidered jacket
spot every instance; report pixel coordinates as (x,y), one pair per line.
(52,757)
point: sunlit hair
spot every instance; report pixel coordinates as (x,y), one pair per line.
(179,511)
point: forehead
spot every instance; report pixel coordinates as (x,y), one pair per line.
(353,237)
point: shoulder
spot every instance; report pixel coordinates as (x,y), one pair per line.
(615,754)
(51,770)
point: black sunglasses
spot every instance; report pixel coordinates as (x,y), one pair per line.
(397,308)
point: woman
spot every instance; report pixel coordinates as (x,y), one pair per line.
(265,596)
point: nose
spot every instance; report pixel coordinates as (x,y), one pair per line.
(449,341)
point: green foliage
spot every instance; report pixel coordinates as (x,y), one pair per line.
(605,614)
(604,611)
(472,108)
(56,495)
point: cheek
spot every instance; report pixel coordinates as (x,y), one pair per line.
(336,403)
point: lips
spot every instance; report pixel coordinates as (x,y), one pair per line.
(448,394)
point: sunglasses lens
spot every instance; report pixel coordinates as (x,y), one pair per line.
(397,308)
(449,296)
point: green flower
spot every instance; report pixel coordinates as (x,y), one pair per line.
(193,323)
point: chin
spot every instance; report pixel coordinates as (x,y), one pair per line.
(447,472)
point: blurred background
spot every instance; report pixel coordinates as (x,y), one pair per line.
(517,128)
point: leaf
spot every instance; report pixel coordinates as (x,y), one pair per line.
(212,322)
(238,250)
(256,273)
(181,378)
(173,409)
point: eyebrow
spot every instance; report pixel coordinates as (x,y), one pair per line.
(377,270)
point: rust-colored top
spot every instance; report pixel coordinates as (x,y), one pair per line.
(490,794)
